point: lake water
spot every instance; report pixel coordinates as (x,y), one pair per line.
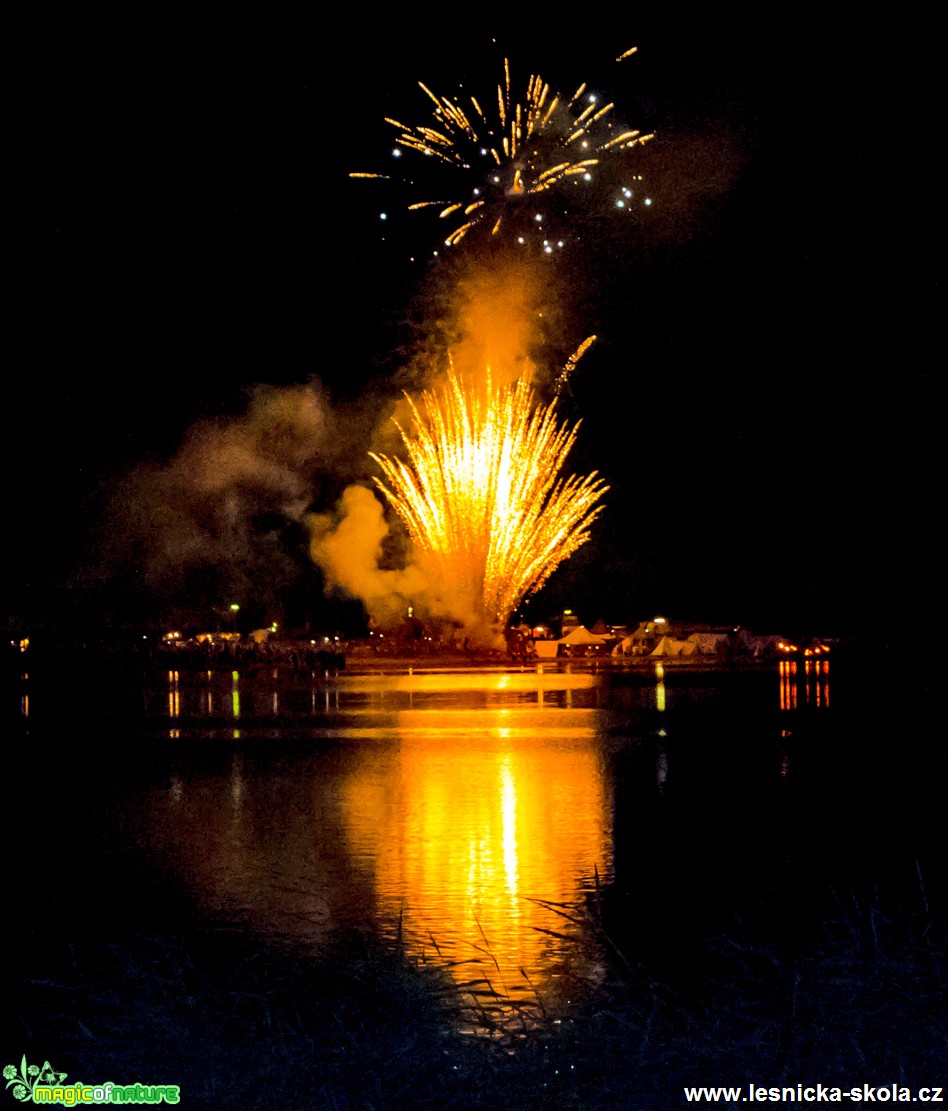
(480,814)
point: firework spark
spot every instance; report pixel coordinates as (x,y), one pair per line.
(483,492)
(524,151)
(562,379)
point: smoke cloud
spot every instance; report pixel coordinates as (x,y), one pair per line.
(352,544)
(498,311)
(348,546)
(215,519)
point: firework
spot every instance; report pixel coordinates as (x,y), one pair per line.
(505,164)
(562,379)
(483,492)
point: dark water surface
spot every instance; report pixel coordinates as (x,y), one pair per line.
(477,813)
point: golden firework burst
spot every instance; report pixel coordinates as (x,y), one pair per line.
(519,153)
(483,491)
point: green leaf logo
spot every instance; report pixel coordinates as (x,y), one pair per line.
(25,1080)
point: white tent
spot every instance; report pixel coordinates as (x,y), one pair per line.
(669,648)
(575,638)
(581,635)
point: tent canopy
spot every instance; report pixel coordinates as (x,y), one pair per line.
(669,647)
(581,635)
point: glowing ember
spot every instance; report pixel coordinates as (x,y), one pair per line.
(530,147)
(483,493)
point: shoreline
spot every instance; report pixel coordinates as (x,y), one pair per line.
(427,664)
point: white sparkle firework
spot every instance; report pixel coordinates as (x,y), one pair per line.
(505,164)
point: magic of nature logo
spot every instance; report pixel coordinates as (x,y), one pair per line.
(35,1084)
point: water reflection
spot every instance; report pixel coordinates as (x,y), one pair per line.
(465,835)
(456,807)
(283,693)
(458,819)
(659,687)
(788,684)
(816,675)
(467,805)
(174,701)
(807,684)
(235,699)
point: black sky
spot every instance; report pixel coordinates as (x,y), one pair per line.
(182,227)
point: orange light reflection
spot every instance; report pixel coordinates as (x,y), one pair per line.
(461,839)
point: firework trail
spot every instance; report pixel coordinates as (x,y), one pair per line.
(562,379)
(524,151)
(483,494)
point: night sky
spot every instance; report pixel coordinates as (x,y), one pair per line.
(182,228)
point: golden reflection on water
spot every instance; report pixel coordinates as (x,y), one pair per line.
(659,687)
(174,701)
(235,699)
(808,684)
(459,818)
(174,695)
(460,836)
(816,674)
